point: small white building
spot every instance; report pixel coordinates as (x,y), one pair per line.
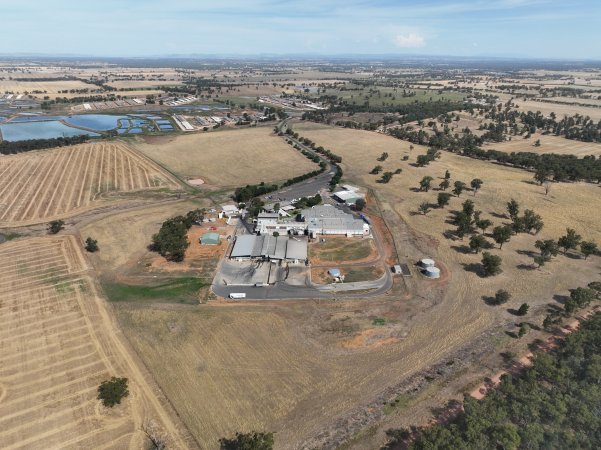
(229,211)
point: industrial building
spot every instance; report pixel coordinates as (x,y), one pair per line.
(320,219)
(327,219)
(277,248)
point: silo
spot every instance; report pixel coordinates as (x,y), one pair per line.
(432,272)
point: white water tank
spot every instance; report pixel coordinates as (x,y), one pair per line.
(432,272)
(426,262)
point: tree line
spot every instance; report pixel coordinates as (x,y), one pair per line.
(14,147)
(553,404)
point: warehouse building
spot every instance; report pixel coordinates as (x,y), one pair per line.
(320,219)
(327,219)
(272,248)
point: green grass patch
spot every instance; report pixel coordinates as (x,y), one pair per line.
(379,321)
(342,249)
(179,290)
(355,274)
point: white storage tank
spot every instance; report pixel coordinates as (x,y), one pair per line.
(432,272)
(426,262)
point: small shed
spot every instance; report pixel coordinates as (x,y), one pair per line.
(210,239)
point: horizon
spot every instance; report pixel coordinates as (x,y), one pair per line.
(505,29)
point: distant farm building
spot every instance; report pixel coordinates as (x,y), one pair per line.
(210,239)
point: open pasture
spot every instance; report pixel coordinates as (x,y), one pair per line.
(41,185)
(228,158)
(549,144)
(58,343)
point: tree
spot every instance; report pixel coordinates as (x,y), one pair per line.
(112,391)
(570,240)
(277,207)
(386,177)
(513,208)
(523,309)
(447,175)
(532,221)
(248,441)
(468,208)
(502,234)
(172,239)
(55,226)
(424,184)
(537,143)
(548,248)
(443,199)
(491,264)
(424,208)
(476,184)
(477,242)
(483,224)
(588,248)
(376,170)
(501,297)
(444,184)
(583,297)
(383,156)
(542,174)
(523,330)
(459,186)
(595,286)
(91,245)
(360,204)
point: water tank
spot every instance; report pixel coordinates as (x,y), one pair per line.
(432,272)
(426,262)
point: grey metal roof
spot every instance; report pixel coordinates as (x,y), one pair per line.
(280,248)
(297,249)
(244,245)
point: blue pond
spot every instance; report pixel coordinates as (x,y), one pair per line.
(39,130)
(101,122)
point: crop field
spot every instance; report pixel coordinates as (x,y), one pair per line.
(228,157)
(549,144)
(40,185)
(58,343)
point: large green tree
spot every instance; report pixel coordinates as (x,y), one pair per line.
(248,441)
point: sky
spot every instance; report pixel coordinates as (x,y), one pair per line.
(562,29)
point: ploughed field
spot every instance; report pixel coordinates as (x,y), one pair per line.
(55,352)
(42,185)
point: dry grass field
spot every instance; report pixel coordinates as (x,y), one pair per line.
(41,185)
(58,343)
(228,157)
(561,110)
(49,88)
(549,144)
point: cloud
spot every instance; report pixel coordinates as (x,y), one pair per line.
(410,40)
